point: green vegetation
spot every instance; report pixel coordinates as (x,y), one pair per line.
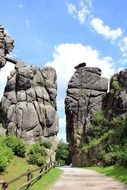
(48,180)
(117,172)
(6,155)
(16,157)
(107,141)
(11,145)
(19,165)
(45,143)
(16,144)
(116,85)
(62,153)
(16,166)
(37,154)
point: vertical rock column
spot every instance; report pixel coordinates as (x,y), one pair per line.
(6,45)
(85,93)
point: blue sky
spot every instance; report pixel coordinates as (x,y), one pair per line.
(63,33)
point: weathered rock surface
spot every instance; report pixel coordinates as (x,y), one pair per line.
(85,94)
(6,45)
(116,99)
(29,102)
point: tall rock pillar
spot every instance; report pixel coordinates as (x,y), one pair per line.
(85,94)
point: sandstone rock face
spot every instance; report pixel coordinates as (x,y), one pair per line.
(29,102)
(116,99)
(85,94)
(6,45)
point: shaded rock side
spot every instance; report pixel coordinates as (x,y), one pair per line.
(85,94)
(116,100)
(6,46)
(29,103)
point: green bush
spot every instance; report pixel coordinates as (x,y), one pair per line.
(46,143)
(37,154)
(6,155)
(3,163)
(16,144)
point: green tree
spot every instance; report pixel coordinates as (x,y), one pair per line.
(106,140)
(62,153)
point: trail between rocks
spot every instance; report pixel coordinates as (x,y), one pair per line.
(84,179)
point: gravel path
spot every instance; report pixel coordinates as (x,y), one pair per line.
(84,179)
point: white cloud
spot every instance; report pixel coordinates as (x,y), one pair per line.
(80,12)
(99,26)
(68,55)
(27,23)
(4,72)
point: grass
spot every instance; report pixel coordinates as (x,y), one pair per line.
(117,172)
(20,165)
(15,168)
(48,180)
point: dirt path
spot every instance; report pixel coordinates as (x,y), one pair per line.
(84,179)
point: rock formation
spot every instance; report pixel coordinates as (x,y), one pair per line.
(6,45)
(85,94)
(29,103)
(116,99)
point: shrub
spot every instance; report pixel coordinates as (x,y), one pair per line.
(6,155)
(3,163)
(37,154)
(16,144)
(46,143)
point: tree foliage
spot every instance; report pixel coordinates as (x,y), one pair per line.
(62,153)
(107,140)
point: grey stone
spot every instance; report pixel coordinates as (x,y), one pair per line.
(11,83)
(12,97)
(5,41)
(39,78)
(50,115)
(31,96)
(85,94)
(29,103)
(21,96)
(20,64)
(80,65)
(41,93)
